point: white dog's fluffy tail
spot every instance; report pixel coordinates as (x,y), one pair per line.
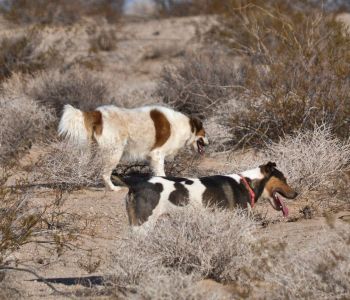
(72,125)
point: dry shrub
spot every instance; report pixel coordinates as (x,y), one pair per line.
(169,261)
(82,89)
(18,54)
(17,220)
(297,75)
(317,270)
(22,122)
(104,41)
(25,221)
(61,11)
(199,84)
(197,241)
(69,166)
(310,160)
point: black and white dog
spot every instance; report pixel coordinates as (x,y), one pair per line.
(150,197)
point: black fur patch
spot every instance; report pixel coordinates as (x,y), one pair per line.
(175,179)
(189,182)
(224,192)
(179,197)
(142,199)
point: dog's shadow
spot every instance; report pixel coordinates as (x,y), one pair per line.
(87,281)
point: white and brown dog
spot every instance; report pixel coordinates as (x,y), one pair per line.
(150,132)
(151,197)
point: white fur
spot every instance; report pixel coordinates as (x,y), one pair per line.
(72,125)
(253,174)
(129,134)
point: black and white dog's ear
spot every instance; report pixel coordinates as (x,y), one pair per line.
(268,168)
(196,124)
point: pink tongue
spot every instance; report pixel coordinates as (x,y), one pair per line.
(284,208)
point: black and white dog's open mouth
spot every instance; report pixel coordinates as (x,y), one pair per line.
(279,204)
(200,146)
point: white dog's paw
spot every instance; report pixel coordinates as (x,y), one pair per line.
(116,188)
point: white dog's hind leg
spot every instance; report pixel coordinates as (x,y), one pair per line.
(157,163)
(111,161)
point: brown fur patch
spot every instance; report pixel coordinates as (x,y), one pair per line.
(162,127)
(93,122)
(201,132)
(196,124)
(275,184)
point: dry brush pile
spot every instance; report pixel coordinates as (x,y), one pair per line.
(171,260)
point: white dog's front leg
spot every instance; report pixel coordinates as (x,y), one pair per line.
(157,163)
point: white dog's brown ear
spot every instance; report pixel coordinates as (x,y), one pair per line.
(268,168)
(196,124)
